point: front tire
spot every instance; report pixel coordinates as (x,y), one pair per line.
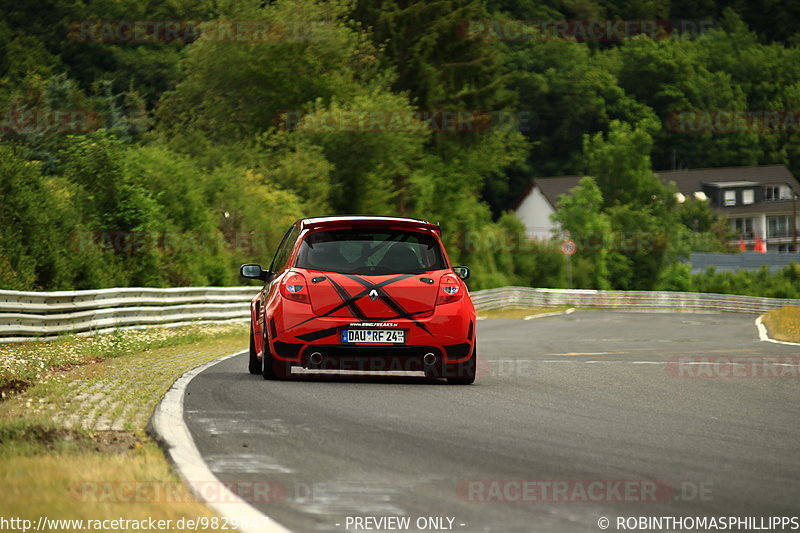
(255,363)
(463,373)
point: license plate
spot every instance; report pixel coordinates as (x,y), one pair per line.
(394,336)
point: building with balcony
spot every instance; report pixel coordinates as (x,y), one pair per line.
(759,201)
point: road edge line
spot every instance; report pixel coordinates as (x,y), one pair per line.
(763,334)
(170,431)
(543,315)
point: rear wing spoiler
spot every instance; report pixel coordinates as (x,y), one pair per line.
(392,222)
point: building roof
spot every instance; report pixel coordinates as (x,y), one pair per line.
(691,180)
(770,207)
(686,181)
(551,188)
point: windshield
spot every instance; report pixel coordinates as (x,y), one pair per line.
(370,251)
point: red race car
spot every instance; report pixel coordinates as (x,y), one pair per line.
(362,293)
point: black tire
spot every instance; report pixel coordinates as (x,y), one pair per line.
(463,373)
(255,363)
(274,369)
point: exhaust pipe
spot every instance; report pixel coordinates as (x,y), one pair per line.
(429,359)
(315,359)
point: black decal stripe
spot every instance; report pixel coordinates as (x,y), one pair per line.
(385,319)
(349,301)
(391,302)
(319,334)
(356,297)
(327,313)
(399,309)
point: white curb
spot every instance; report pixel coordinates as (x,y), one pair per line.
(542,315)
(169,426)
(764,336)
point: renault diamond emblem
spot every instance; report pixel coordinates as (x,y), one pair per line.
(373,295)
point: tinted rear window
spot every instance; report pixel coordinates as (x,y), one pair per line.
(370,251)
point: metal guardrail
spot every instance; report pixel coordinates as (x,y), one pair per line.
(625,300)
(43,314)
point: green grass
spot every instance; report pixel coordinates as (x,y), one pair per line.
(519,312)
(783,324)
(27,363)
(121,387)
(46,462)
(32,436)
(90,484)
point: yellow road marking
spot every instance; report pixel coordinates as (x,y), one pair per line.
(588,353)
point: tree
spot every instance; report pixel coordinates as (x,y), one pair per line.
(580,213)
(372,143)
(235,90)
(620,162)
(34,228)
(437,64)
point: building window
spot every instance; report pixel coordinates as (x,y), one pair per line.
(772,192)
(748,196)
(743,227)
(730,197)
(778,226)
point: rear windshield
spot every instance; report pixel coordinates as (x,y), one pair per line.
(370,251)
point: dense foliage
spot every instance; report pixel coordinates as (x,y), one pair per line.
(169,159)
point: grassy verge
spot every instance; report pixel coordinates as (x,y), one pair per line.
(55,462)
(26,363)
(94,485)
(519,312)
(783,324)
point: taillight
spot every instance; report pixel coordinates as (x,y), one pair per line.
(294,287)
(450,289)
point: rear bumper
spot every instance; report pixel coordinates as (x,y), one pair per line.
(448,333)
(370,358)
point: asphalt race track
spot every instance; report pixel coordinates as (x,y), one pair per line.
(595,414)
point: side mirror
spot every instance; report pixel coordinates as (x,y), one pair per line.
(462,272)
(253,271)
